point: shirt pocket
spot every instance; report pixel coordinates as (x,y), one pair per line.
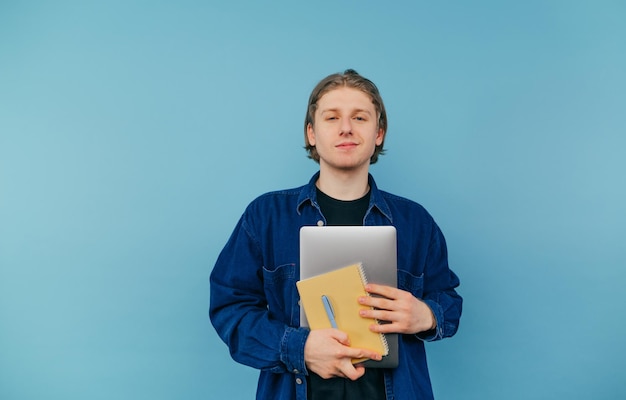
(281,293)
(413,284)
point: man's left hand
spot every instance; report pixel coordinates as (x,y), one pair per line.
(404,312)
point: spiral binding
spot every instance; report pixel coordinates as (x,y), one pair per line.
(383,338)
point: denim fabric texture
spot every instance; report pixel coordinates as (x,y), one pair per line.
(254,301)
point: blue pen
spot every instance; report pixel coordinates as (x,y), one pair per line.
(329,311)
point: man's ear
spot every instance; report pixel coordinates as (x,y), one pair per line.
(310,134)
(380,136)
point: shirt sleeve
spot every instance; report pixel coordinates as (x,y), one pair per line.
(439,289)
(239,309)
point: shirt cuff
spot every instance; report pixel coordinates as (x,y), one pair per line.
(292,349)
(437,333)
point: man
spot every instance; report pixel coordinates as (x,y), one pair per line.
(254,300)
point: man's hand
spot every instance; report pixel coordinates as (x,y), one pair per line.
(405,312)
(327,353)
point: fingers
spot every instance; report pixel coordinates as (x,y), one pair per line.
(387,328)
(380,314)
(382,290)
(345,367)
(354,372)
(392,299)
(327,353)
(405,312)
(353,353)
(347,370)
(340,336)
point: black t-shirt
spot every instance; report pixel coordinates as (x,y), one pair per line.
(340,212)
(370,386)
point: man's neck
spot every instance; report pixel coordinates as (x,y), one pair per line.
(343,185)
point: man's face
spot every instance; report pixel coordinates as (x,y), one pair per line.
(346,132)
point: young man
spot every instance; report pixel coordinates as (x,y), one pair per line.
(254,300)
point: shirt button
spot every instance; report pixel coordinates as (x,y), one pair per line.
(295,371)
(320,223)
(299,381)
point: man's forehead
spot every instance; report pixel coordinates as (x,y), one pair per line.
(345,98)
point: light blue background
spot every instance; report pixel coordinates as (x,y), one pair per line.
(133,134)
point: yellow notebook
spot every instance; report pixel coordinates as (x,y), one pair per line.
(342,287)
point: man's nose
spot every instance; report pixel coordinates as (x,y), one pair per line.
(346,126)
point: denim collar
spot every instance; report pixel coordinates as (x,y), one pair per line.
(309,194)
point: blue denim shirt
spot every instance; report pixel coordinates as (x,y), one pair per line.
(254,300)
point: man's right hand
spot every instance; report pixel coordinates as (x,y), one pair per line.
(327,352)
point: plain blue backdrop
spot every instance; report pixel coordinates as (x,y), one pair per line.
(134,133)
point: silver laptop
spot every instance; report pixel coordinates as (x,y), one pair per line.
(326,248)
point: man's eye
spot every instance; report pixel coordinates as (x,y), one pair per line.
(360,118)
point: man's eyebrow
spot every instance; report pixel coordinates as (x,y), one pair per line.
(355,111)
